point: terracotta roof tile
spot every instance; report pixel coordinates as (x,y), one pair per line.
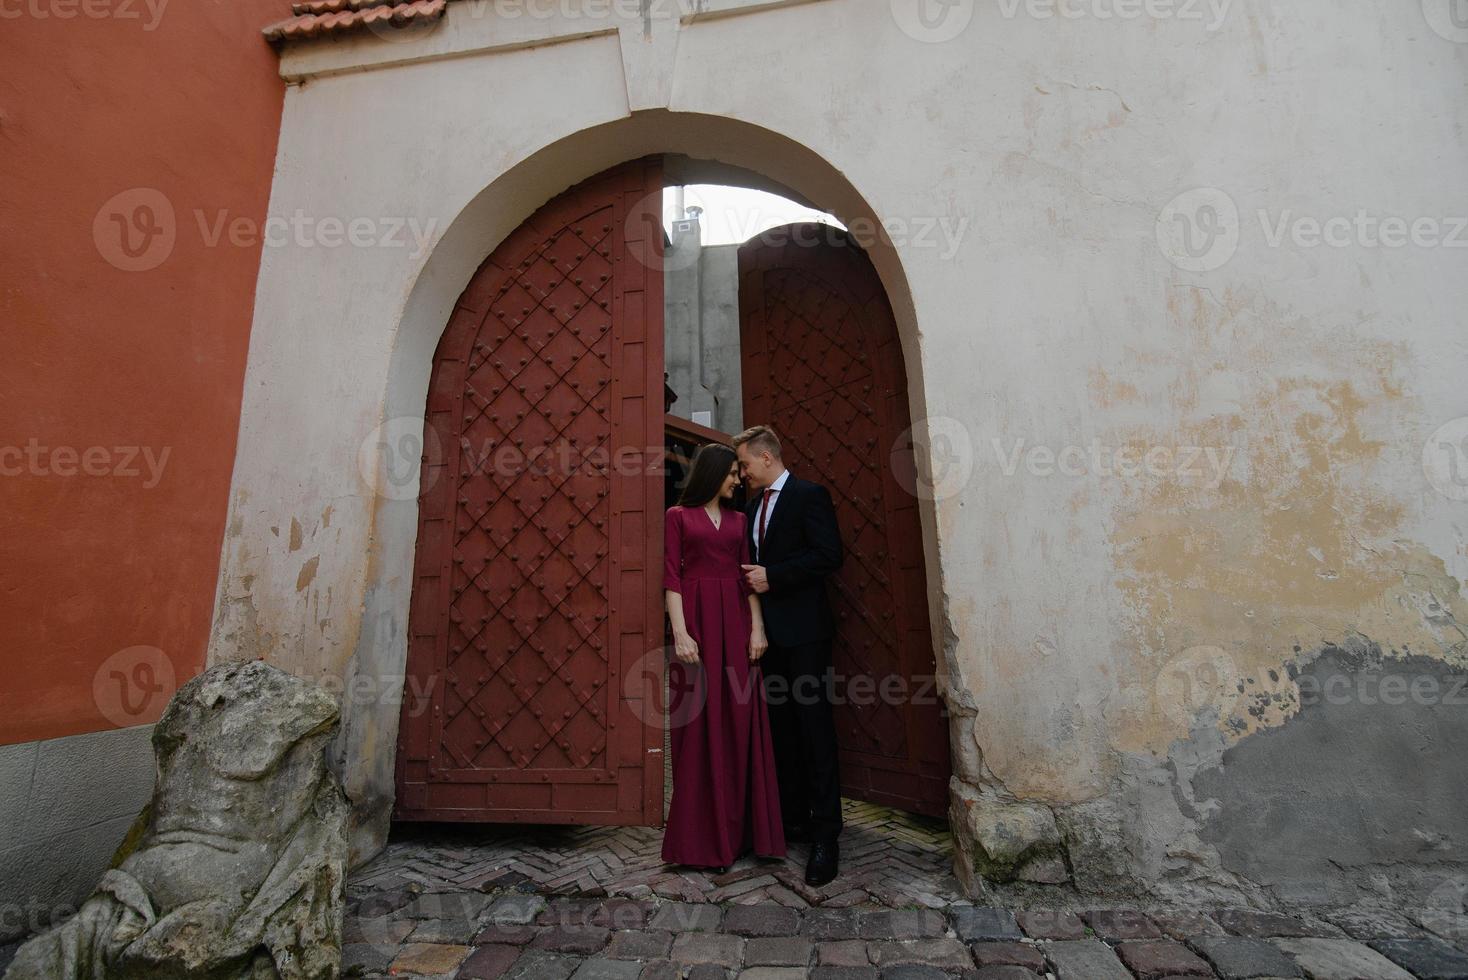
(332,18)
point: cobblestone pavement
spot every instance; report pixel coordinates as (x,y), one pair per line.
(598,904)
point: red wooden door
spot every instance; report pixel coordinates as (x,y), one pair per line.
(822,364)
(536,616)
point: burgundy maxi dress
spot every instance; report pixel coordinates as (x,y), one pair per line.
(725,797)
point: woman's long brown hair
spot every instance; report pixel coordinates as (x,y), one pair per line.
(710,468)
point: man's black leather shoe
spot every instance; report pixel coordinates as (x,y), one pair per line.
(821,869)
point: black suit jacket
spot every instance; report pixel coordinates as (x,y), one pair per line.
(802,546)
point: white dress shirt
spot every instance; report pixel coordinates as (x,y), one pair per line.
(769,506)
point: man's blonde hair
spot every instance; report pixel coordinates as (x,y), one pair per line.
(759,438)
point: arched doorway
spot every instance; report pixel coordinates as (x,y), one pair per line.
(535,623)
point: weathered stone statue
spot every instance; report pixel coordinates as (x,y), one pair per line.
(239,871)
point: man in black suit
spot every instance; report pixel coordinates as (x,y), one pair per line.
(795,544)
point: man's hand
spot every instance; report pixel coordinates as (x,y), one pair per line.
(755,576)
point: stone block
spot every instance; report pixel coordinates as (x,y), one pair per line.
(1154,959)
(844,973)
(539,964)
(573,939)
(902,924)
(1238,958)
(514,909)
(1426,958)
(984,924)
(1340,959)
(946,953)
(488,962)
(1186,925)
(778,951)
(601,968)
(1266,925)
(687,917)
(1084,959)
(843,952)
(761,920)
(821,924)
(431,959)
(638,944)
(988,954)
(1051,924)
(693,948)
(1119,925)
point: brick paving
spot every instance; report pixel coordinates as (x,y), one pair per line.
(547,903)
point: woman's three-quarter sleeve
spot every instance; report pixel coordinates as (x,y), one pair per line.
(744,589)
(673,551)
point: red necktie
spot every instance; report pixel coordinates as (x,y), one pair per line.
(763,510)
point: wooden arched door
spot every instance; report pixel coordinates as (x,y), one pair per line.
(822,364)
(536,618)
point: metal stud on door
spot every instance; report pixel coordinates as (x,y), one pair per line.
(537,579)
(822,363)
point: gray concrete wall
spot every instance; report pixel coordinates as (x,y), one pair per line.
(65,806)
(701,328)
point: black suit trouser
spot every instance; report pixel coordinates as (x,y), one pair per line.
(798,689)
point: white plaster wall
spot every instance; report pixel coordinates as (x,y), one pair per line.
(1052,144)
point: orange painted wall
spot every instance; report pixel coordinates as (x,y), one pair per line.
(108,562)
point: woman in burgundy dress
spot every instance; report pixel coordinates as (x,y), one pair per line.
(725,797)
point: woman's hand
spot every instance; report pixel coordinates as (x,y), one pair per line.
(757,644)
(685,648)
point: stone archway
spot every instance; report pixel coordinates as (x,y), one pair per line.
(696,148)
